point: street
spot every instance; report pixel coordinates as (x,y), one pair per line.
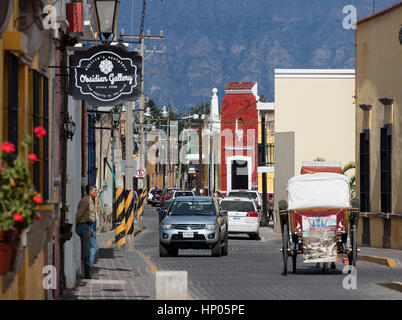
(222,113)
(252,271)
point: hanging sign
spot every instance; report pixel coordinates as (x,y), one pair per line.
(105,75)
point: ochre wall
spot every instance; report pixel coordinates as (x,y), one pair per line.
(396,233)
(33,279)
(359,231)
(379,75)
(376,232)
(28,283)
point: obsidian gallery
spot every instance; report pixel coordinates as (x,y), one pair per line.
(105,75)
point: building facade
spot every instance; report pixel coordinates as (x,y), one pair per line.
(379,128)
(239,141)
(163,167)
(314,118)
(36,38)
(26,99)
(266,158)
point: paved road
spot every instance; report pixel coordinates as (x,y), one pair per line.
(252,270)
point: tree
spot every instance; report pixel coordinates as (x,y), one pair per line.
(156,113)
(204,108)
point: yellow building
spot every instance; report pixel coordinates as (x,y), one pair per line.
(26,51)
(266,111)
(379,128)
(160,174)
(32,41)
(314,118)
(154,167)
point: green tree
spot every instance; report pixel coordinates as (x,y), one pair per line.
(158,120)
(156,112)
(204,108)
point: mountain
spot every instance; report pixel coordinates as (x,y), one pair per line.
(212,42)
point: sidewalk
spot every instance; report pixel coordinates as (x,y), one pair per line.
(119,274)
(268,233)
(388,257)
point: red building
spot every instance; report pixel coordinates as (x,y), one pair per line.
(239,130)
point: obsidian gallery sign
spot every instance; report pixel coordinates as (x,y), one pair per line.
(105,75)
